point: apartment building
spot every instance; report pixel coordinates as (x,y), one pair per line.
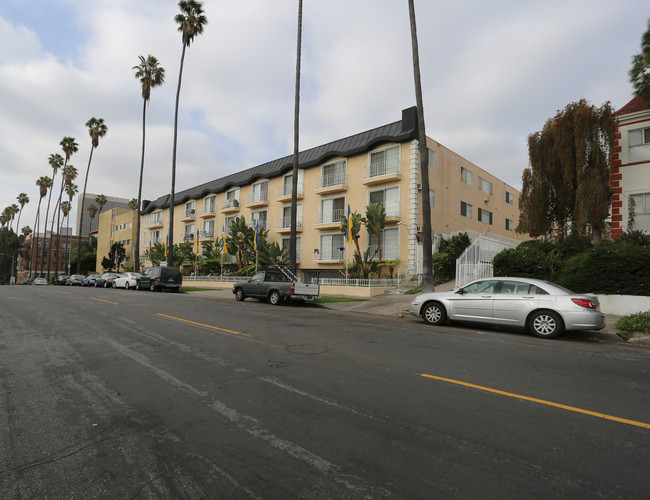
(116,225)
(376,166)
(630,177)
(37,251)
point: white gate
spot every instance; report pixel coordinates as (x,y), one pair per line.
(476,261)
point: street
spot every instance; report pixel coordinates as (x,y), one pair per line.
(131,394)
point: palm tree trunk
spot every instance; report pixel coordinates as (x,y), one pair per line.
(34,263)
(296,129)
(47,214)
(81,213)
(427,245)
(136,264)
(170,234)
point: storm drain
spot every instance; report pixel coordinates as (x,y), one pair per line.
(307,349)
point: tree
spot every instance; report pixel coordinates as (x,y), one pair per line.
(117,255)
(357,220)
(236,241)
(44,183)
(427,244)
(23,200)
(69,173)
(92,211)
(293,236)
(190,21)
(133,205)
(71,190)
(96,129)
(566,188)
(375,221)
(151,75)
(640,71)
(56,162)
(13,210)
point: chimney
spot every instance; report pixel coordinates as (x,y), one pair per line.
(410,119)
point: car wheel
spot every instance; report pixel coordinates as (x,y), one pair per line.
(239,295)
(126,285)
(274,298)
(137,285)
(114,285)
(152,287)
(545,324)
(434,314)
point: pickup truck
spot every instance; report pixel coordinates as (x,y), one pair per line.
(275,285)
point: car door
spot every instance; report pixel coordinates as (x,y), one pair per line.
(513,303)
(254,286)
(474,302)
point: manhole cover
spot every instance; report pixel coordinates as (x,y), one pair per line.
(307,349)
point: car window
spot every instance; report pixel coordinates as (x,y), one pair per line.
(258,277)
(486,286)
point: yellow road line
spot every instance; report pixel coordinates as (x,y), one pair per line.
(202,324)
(59,291)
(102,300)
(540,401)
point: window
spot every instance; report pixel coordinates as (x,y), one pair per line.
(334,174)
(189,232)
(332,246)
(190,209)
(484,185)
(389,243)
(384,162)
(510,199)
(286,216)
(287,181)
(466,176)
(232,199)
(432,158)
(520,288)
(228,222)
(641,211)
(156,217)
(260,192)
(389,198)
(509,225)
(208,229)
(286,242)
(155,237)
(484,216)
(639,144)
(331,210)
(486,286)
(209,204)
(258,219)
(465,209)
(432,198)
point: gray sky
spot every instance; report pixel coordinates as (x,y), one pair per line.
(492,73)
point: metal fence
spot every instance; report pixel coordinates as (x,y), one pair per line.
(356,282)
(476,261)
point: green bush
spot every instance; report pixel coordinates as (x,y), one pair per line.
(444,260)
(525,261)
(635,323)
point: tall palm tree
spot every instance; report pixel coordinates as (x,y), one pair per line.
(190,21)
(13,210)
(71,190)
(151,75)
(26,231)
(92,211)
(293,237)
(96,129)
(101,200)
(23,200)
(132,204)
(427,244)
(69,146)
(43,183)
(56,162)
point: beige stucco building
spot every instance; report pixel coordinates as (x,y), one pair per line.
(116,225)
(377,166)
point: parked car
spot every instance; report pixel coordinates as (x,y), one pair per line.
(127,280)
(90,280)
(544,308)
(75,279)
(40,281)
(106,280)
(156,278)
(60,280)
(276,285)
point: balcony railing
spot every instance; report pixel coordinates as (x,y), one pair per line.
(328,217)
(190,212)
(206,234)
(285,223)
(234,203)
(334,254)
(188,237)
(391,208)
(333,179)
(377,169)
(258,198)
(286,190)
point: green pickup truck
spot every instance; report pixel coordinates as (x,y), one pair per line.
(276,286)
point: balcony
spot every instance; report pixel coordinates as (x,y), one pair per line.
(208,213)
(188,237)
(334,255)
(206,235)
(155,223)
(284,225)
(257,200)
(381,172)
(190,214)
(284,192)
(230,206)
(328,220)
(333,183)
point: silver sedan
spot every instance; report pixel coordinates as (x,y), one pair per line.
(544,308)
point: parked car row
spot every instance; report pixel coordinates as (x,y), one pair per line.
(155,279)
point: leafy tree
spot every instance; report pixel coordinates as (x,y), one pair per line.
(190,21)
(155,253)
(375,221)
(151,75)
(357,220)
(566,189)
(363,265)
(238,242)
(88,256)
(108,264)
(444,260)
(96,129)
(640,71)
(272,254)
(117,254)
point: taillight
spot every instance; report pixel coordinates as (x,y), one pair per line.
(293,288)
(587,304)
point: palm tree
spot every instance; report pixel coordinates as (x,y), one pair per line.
(23,200)
(96,129)
(151,75)
(71,190)
(101,200)
(375,221)
(26,231)
(239,235)
(190,23)
(357,220)
(13,210)
(132,204)
(92,211)
(427,244)
(293,238)
(43,183)
(56,162)
(68,173)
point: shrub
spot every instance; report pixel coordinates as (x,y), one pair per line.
(526,261)
(444,260)
(635,323)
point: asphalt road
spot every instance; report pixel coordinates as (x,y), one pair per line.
(123,394)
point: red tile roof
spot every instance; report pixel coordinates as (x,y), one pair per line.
(636,104)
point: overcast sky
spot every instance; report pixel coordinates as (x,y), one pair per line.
(492,73)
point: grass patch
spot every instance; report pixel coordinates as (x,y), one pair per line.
(635,323)
(414,291)
(331,300)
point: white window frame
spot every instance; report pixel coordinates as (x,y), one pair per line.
(232,198)
(256,217)
(485,185)
(641,211)
(389,164)
(260,191)
(334,218)
(285,220)
(468,209)
(432,158)
(156,217)
(190,209)
(392,206)
(510,225)
(510,198)
(389,243)
(639,140)
(206,232)
(209,204)
(287,183)
(227,221)
(338,176)
(187,233)
(286,242)
(335,253)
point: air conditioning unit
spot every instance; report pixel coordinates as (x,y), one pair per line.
(419,229)
(419,186)
(192,212)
